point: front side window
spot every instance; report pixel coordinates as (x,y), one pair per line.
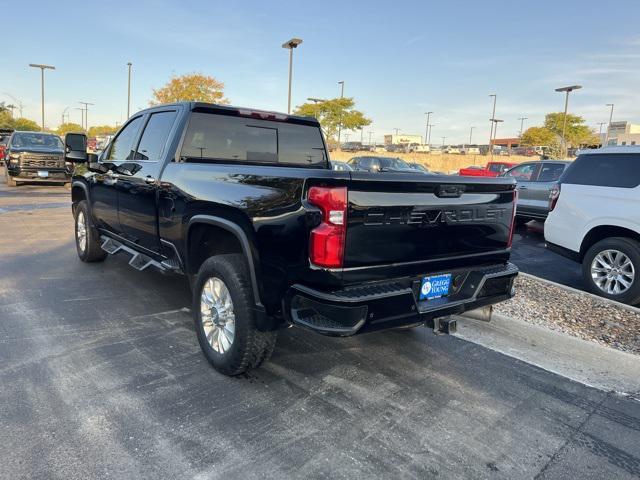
(222,137)
(550,172)
(605,170)
(155,136)
(122,147)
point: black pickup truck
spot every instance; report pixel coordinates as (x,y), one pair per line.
(35,157)
(245,204)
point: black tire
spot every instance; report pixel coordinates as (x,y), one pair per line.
(630,248)
(249,347)
(92,252)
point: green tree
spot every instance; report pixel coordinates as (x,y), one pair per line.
(25,124)
(576,133)
(69,127)
(191,87)
(333,114)
(6,121)
(102,130)
(538,136)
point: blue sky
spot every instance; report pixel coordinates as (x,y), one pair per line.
(397,59)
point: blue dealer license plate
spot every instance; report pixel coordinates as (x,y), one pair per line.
(435,287)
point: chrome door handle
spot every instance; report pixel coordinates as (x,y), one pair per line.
(522,187)
(149,179)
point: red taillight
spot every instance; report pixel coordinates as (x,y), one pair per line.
(554,195)
(326,244)
(513,218)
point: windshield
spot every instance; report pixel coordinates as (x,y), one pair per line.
(393,164)
(36,140)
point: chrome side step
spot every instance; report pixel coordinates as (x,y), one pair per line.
(139,261)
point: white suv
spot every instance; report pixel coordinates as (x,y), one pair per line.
(595,219)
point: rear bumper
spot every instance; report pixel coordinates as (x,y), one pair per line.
(395,303)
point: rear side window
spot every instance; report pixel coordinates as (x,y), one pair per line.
(550,172)
(155,136)
(239,139)
(620,170)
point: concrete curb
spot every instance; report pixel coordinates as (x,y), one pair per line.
(585,362)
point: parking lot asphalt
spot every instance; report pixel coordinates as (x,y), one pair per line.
(101,377)
(531,256)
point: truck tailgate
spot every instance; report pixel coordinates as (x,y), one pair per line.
(410,218)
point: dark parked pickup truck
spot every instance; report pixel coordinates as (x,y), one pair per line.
(245,204)
(35,157)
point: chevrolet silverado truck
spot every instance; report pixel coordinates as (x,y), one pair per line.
(32,157)
(493,169)
(244,203)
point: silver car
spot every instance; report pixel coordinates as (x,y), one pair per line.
(535,180)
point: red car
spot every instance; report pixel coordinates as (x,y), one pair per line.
(493,169)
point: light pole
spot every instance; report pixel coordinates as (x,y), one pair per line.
(493,115)
(341,83)
(81,116)
(290,45)
(63,113)
(430,128)
(42,69)
(567,90)
(470,134)
(522,119)
(86,114)
(426,133)
(20,105)
(494,128)
(316,101)
(129,89)
(443,139)
(610,119)
(600,133)
(397,130)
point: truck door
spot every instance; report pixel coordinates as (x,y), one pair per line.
(138,182)
(104,193)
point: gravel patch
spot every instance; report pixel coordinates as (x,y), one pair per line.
(576,314)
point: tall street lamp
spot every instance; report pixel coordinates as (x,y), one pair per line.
(600,132)
(64,112)
(567,90)
(443,139)
(86,114)
(129,89)
(470,134)
(341,83)
(426,133)
(610,119)
(494,129)
(42,69)
(522,119)
(429,136)
(493,115)
(316,101)
(290,45)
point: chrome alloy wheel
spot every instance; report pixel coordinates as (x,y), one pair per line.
(81,231)
(612,271)
(217,315)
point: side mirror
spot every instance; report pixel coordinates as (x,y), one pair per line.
(75,147)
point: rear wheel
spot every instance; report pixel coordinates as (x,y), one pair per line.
(611,269)
(87,237)
(224,316)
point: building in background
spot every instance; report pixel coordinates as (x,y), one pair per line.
(506,142)
(623,133)
(402,139)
